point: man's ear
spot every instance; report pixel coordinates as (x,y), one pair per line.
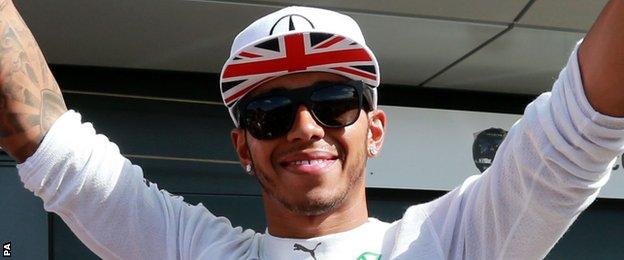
(376,131)
(239,140)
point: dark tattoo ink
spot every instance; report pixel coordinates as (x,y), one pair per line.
(30,99)
(52,106)
(9,39)
(45,72)
(33,120)
(28,68)
(12,92)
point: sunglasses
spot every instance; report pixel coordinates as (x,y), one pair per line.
(332,104)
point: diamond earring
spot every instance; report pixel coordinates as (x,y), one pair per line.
(372,151)
(248,169)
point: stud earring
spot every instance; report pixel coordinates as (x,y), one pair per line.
(372,151)
(248,169)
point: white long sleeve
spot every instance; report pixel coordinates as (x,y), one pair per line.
(548,170)
(105,201)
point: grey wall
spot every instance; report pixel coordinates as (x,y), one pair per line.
(23,222)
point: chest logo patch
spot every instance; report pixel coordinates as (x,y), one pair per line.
(300,247)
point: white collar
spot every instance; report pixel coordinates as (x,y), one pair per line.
(364,238)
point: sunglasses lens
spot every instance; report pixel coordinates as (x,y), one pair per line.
(269,117)
(336,105)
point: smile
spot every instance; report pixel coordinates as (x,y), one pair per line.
(311,162)
(309,167)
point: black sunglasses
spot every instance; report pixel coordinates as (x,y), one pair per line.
(332,104)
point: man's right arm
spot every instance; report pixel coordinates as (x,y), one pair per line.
(30,99)
(82,176)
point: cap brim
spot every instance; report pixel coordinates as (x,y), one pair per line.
(295,52)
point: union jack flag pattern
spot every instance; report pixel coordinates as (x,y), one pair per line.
(309,51)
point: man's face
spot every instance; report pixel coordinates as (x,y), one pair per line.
(311,169)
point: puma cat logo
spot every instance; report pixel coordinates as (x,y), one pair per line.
(304,249)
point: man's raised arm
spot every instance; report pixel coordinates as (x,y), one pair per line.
(601,58)
(30,99)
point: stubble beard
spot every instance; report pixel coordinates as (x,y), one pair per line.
(321,206)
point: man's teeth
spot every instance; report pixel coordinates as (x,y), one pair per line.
(308,162)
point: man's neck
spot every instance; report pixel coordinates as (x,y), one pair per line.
(284,223)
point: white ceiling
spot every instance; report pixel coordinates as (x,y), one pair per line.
(415,40)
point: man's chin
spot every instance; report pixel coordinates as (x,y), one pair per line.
(316,203)
(313,208)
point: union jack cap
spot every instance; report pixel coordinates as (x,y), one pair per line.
(296,39)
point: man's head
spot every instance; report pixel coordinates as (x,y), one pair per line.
(300,85)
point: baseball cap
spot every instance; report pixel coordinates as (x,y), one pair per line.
(292,40)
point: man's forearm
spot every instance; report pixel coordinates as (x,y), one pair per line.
(601,58)
(30,99)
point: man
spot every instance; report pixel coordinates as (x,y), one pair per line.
(304,129)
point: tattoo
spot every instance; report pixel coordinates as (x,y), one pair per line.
(43,69)
(52,106)
(14,92)
(30,99)
(29,70)
(9,39)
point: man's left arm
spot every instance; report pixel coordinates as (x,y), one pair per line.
(601,59)
(552,163)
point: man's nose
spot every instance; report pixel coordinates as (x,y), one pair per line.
(305,127)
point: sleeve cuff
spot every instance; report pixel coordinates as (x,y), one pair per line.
(48,149)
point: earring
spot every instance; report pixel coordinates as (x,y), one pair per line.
(248,169)
(372,151)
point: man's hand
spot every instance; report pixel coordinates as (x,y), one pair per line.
(30,99)
(601,58)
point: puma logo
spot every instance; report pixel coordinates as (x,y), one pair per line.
(304,249)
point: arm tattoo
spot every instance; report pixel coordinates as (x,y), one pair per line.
(30,99)
(52,106)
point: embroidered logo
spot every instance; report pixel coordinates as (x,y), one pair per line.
(291,24)
(304,249)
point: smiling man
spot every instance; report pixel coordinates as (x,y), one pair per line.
(311,170)
(301,88)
